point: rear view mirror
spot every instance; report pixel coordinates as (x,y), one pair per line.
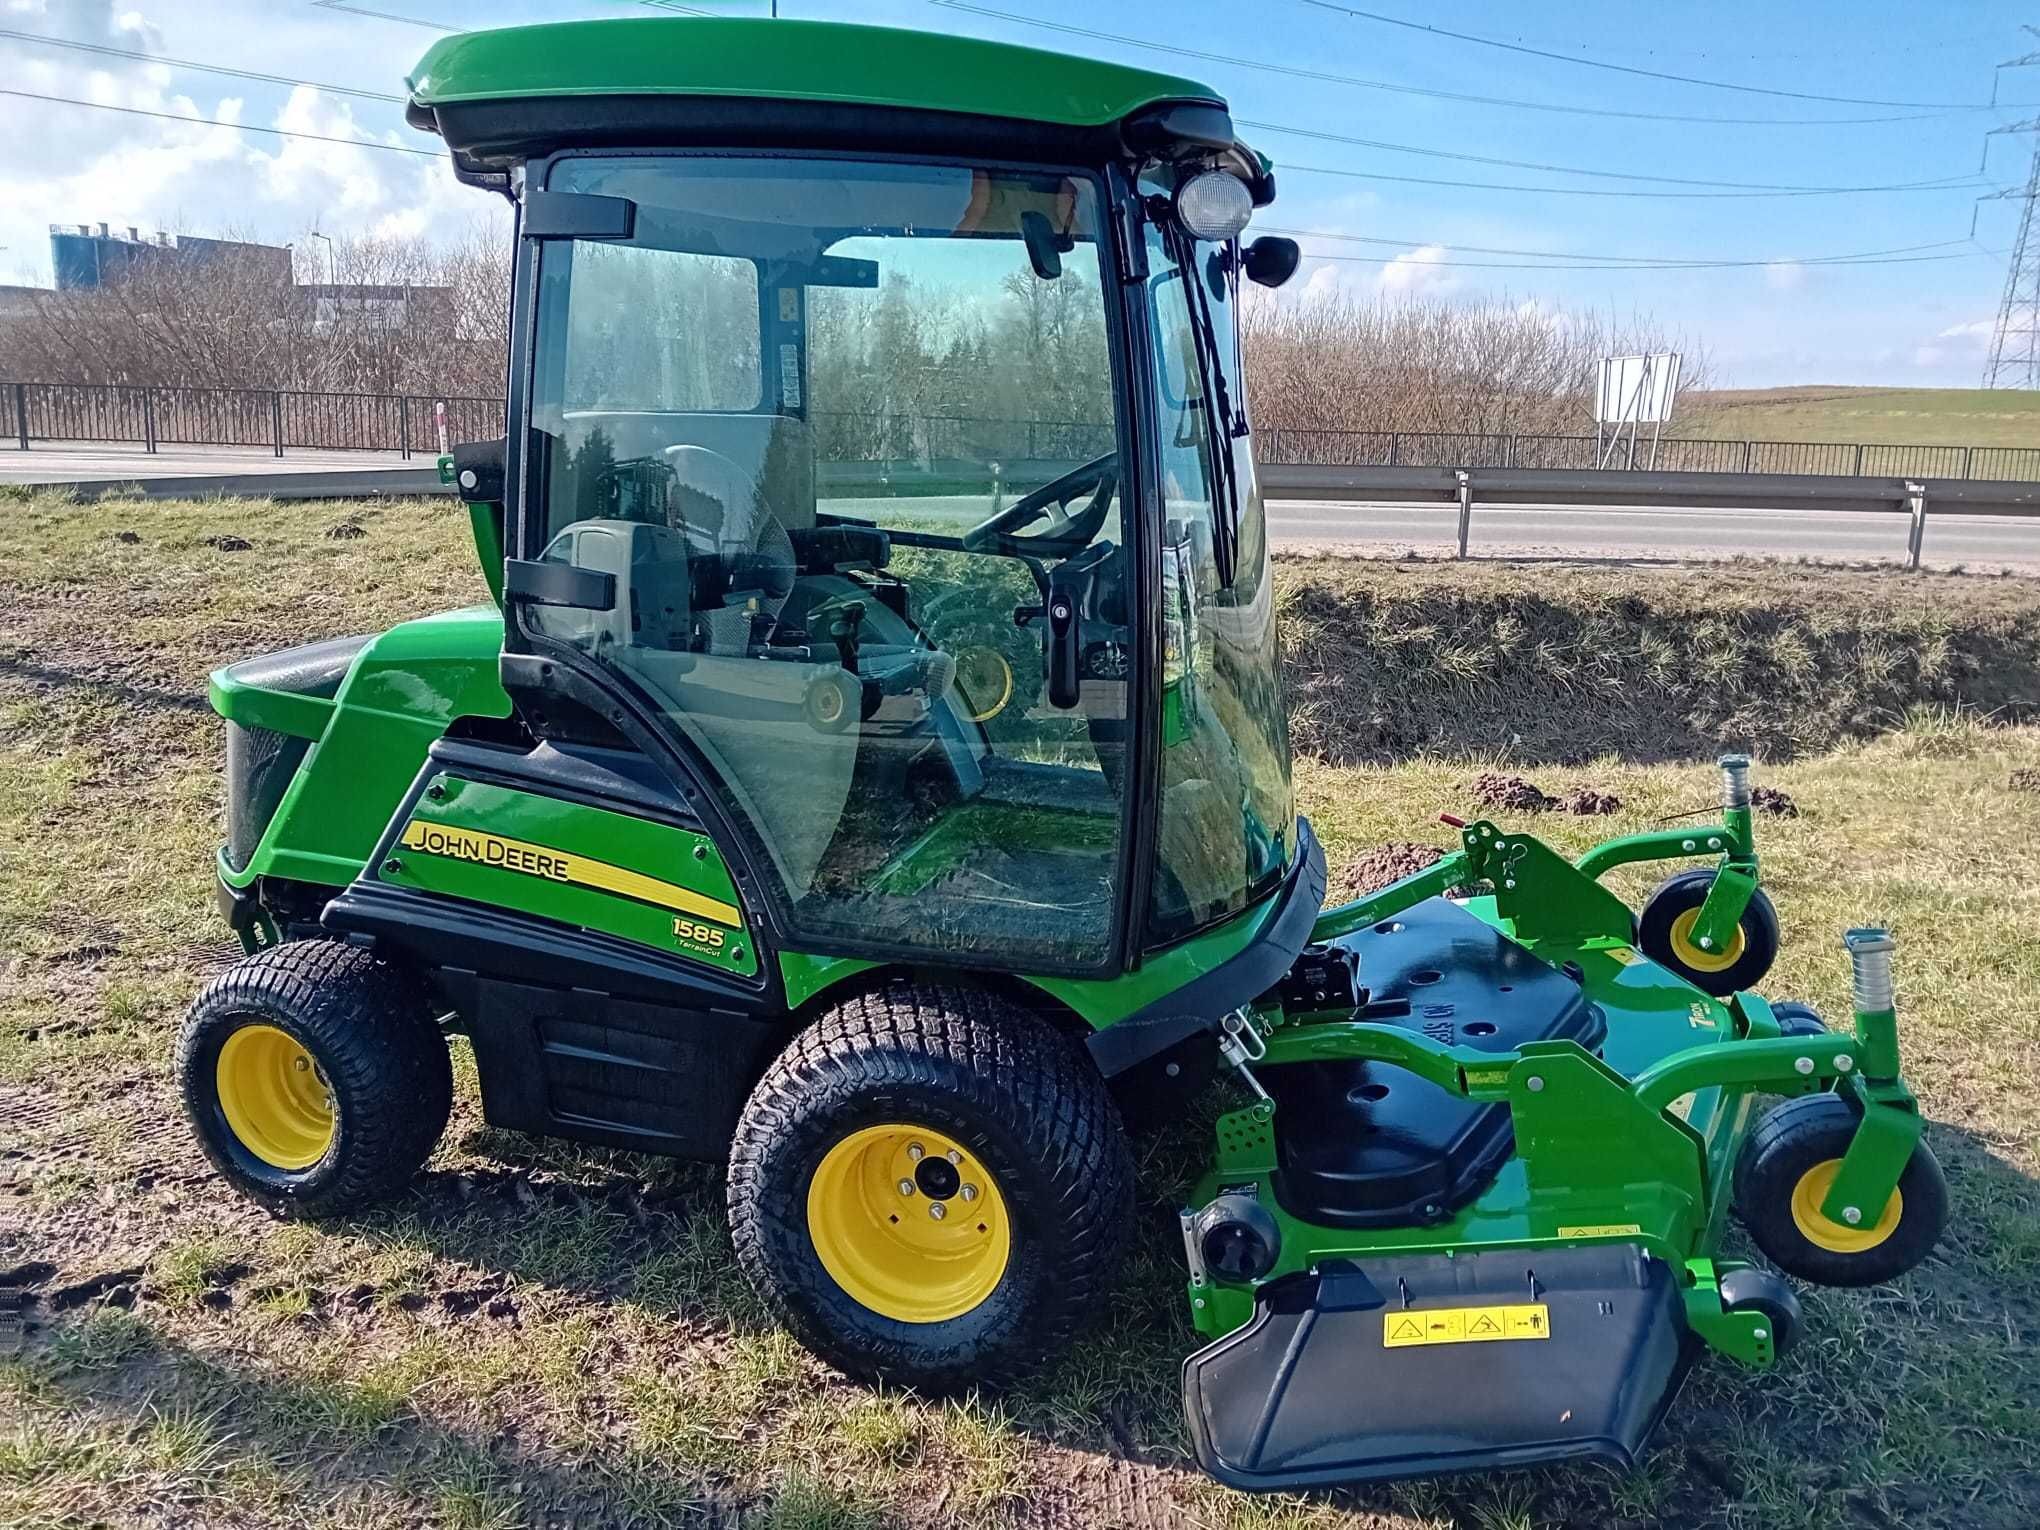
(1271,260)
(1044,249)
(475,469)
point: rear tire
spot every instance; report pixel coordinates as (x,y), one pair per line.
(867,1274)
(314,1077)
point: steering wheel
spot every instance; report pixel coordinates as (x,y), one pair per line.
(1099,477)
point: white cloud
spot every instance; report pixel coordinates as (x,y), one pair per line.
(1784,275)
(197,174)
(1959,344)
(1417,273)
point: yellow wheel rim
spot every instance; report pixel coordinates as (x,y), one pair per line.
(274,1097)
(1693,956)
(982,672)
(908,1223)
(1837,1237)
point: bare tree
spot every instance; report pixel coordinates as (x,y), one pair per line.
(1335,363)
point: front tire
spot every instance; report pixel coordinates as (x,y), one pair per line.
(314,1077)
(969,1260)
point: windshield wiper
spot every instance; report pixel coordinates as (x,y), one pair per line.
(1225,518)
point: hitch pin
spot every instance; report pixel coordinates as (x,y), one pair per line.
(1239,1043)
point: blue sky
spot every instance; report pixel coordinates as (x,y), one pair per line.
(1779,321)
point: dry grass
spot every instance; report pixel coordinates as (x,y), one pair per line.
(1899,416)
(546,1335)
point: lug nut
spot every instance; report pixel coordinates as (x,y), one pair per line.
(301,1063)
(915,1152)
(968,1192)
(937,1210)
(954,1156)
(906,1187)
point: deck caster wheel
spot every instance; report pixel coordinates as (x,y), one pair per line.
(1798,1019)
(930,1187)
(1665,935)
(1752,1290)
(1788,1164)
(315,1077)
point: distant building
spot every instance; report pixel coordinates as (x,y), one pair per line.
(85,258)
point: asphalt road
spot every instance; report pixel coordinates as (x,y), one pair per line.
(1972,541)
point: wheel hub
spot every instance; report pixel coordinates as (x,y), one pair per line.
(275,1098)
(908,1224)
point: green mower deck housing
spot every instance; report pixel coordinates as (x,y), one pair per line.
(872,770)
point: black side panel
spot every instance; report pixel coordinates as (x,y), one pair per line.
(1363,1144)
(261,763)
(260,767)
(1309,1393)
(650,1077)
(578,1034)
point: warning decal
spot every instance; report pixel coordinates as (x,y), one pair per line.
(1465,1325)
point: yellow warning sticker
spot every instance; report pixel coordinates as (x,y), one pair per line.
(1627,955)
(1494,1078)
(1465,1325)
(1602,1230)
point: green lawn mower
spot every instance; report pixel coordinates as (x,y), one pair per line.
(871,770)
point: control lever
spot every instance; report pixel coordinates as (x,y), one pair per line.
(1069,591)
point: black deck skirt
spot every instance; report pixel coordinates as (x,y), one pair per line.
(1309,1393)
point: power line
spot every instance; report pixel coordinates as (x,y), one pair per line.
(1640,261)
(1360,82)
(1275,127)
(361,10)
(1700,265)
(1599,191)
(1607,175)
(238,127)
(1631,69)
(185,63)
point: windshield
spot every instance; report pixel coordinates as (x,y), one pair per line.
(843,434)
(1227,814)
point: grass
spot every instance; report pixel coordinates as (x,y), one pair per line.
(541,1334)
(1894,416)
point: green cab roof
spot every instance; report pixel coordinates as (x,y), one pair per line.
(791,60)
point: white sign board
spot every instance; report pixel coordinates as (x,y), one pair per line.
(1636,390)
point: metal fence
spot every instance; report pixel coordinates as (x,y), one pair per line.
(259,417)
(1406,448)
(407,423)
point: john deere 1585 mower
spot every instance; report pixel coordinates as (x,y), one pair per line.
(872,771)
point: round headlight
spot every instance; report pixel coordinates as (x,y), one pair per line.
(1214,205)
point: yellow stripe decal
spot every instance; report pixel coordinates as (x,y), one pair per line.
(563,866)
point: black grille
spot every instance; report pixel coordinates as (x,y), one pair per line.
(259,767)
